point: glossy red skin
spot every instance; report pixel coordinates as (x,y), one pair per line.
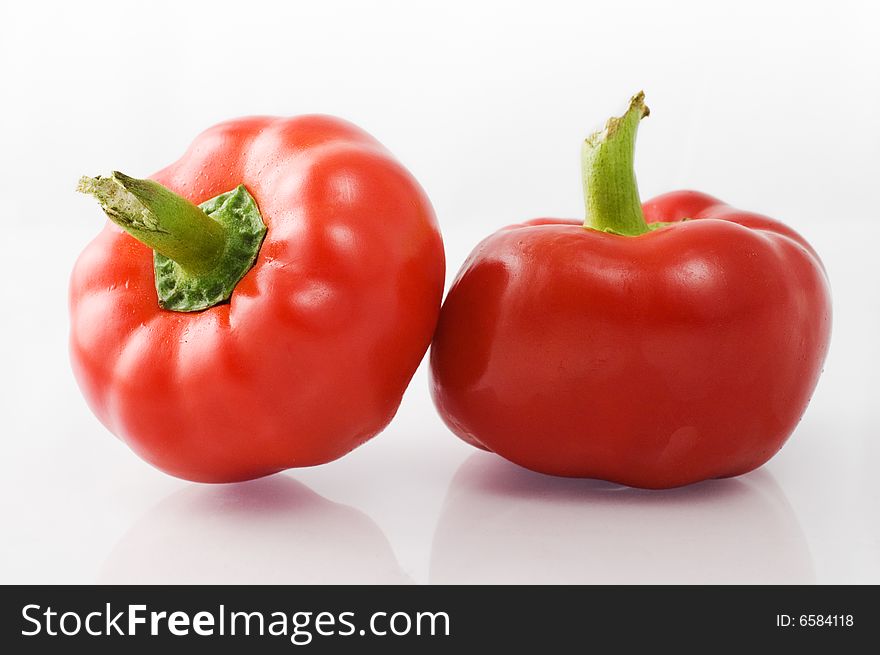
(312,355)
(684,354)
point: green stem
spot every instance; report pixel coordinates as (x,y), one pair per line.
(611,194)
(159,218)
(199,253)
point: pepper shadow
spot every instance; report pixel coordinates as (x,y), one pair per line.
(504,524)
(269,531)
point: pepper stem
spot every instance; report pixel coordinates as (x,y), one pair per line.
(199,253)
(159,218)
(611,194)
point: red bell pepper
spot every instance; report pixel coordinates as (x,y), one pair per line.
(653,345)
(275,325)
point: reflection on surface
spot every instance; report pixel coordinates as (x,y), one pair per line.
(504,524)
(273,530)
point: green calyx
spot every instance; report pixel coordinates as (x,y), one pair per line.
(200,252)
(611,194)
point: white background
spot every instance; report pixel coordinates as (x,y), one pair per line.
(770,106)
